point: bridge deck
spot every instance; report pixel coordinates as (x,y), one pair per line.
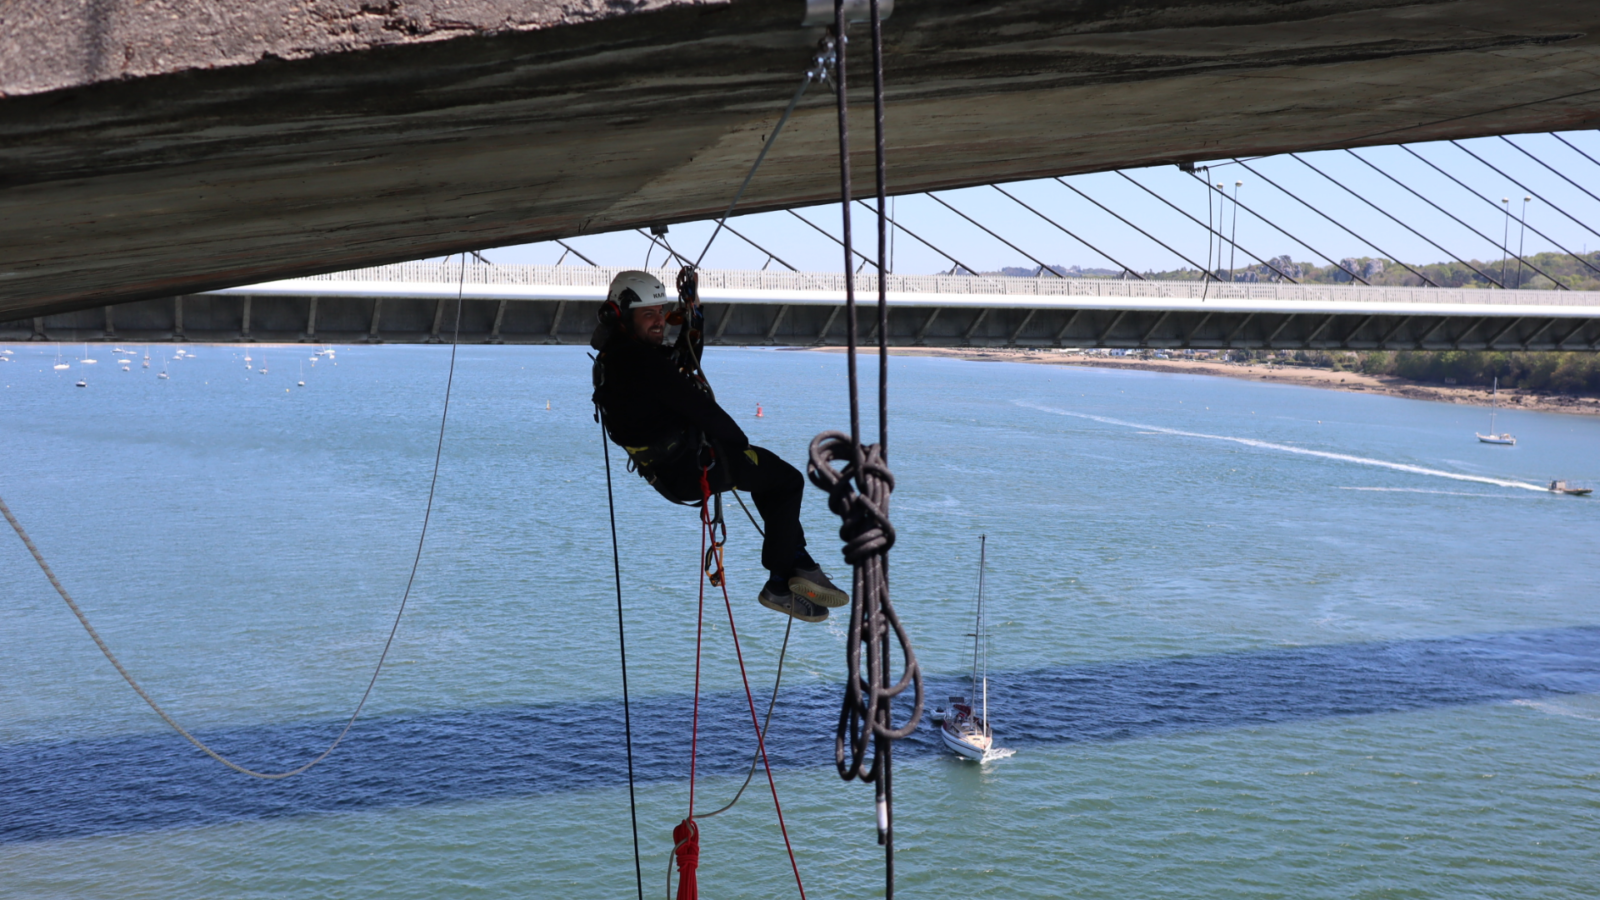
(414,303)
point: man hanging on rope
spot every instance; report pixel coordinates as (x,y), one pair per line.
(658,407)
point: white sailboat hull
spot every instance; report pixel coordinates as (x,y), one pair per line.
(1505,439)
(972,746)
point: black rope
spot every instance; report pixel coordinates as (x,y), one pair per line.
(1457,220)
(1342,186)
(1181,211)
(1429,163)
(859,494)
(622,646)
(1063,230)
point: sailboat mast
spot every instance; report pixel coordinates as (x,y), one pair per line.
(1494,405)
(982,638)
(977,631)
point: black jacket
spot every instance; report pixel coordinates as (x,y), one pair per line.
(647,399)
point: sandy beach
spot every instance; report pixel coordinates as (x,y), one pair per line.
(1303,376)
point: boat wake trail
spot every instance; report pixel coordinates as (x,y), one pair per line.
(1286,448)
(997,753)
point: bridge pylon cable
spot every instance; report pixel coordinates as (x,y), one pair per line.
(1553,170)
(1426,280)
(1430,164)
(1209,229)
(1342,186)
(1534,193)
(1041,263)
(1147,234)
(574,251)
(825,233)
(1457,219)
(770,255)
(1575,148)
(919,239)
(1281,230)
(1062,228)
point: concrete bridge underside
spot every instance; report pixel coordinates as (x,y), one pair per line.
(165,148)
(228,318)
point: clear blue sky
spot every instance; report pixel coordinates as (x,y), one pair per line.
(807,250)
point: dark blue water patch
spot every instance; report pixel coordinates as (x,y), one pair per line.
(57,790)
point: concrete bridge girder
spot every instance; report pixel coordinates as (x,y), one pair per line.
(152,150)
(344,319)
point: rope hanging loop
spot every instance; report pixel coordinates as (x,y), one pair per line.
(859,495)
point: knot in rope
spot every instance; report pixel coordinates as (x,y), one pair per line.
(859,495)
(864,514)
(686,847)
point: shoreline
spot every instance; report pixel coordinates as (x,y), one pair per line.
(1326,379)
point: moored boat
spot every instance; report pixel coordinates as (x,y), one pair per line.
(964,729)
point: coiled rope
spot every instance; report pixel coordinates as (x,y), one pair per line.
(388,642)
(859,494)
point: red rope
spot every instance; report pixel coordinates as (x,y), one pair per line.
(686,846)
(687,835)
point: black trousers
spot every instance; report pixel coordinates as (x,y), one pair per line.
(776,487)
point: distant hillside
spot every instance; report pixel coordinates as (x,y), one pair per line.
(1568,269)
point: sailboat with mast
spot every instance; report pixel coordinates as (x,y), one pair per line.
(1494,410)
(964,726)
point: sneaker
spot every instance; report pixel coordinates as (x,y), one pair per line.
(792,604)
(813,584)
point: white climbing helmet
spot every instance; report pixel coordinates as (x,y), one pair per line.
(646,290)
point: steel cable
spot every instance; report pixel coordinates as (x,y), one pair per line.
(1458,221)
(1430,164)
(1426,280)
(1530,190)
(1341,185)
(1209,230)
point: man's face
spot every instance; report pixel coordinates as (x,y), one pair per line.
(650,324)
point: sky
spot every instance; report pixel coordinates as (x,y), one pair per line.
(1348,209)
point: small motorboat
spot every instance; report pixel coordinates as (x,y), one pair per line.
(1561,487)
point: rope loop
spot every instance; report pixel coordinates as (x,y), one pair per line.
(859,494)
(864,513)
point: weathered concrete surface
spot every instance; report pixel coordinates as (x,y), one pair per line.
(286,138)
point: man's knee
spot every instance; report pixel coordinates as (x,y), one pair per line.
(762,470)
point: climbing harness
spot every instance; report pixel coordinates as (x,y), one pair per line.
(713,539)
(859,494)
(433,483)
